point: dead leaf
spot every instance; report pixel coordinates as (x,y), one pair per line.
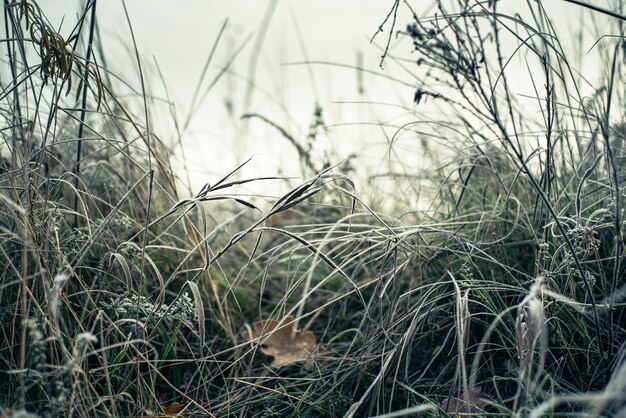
(279,220)
(475,405)
(286,345)
(172,409)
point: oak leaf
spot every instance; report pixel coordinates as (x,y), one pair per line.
(473,404)
(173,409)
(282,341)
(167,411)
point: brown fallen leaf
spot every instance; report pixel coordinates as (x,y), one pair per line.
(455,406)
(6,413)
(283,344)
(278,220)
(167,411)
(172,409)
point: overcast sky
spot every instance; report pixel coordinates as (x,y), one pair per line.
(267,77)
(275,37)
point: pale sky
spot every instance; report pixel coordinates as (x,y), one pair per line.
(179,37)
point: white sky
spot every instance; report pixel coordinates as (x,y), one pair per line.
(179,36)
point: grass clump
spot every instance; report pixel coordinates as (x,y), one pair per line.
(122,295)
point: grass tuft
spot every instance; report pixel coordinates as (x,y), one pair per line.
(492,284)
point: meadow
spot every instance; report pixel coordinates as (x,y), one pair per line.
(491,285)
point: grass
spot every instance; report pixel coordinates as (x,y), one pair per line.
(121,294)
